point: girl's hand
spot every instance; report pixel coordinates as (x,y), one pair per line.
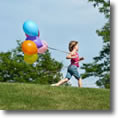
(82,58)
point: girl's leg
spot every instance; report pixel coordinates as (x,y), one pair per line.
(80,82)
(68,75)
(60,82)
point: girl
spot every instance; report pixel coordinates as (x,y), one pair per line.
(73,67)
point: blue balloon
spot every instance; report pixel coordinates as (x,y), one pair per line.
(30,28)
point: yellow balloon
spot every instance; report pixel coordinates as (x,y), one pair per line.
(30,59)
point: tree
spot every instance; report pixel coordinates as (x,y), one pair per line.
(13,68)
(100,67)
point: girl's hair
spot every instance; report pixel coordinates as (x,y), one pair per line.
(72,44)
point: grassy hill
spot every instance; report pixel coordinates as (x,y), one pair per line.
(17,96)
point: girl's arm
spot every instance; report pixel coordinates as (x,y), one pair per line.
(70,56)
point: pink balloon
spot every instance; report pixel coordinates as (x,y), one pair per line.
(44,48)
(26,35)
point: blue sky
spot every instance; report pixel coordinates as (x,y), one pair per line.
(59,21)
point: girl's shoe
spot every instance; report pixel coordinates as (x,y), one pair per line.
(53,84)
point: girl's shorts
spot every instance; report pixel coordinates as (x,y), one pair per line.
(72,71)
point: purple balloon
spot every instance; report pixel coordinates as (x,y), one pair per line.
(38,42)
(31,38)
(44,48)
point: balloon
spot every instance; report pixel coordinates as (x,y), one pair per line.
(43,48)
(30,28)
(26,35)
(38,42)
(30,59)
(33,36)
(38,34)
(29,47)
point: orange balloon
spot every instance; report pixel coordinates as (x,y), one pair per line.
(29,47)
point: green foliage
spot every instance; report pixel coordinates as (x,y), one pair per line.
(100,67)
(13,68)
(15,96)
(103,6)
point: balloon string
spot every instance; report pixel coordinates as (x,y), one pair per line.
(58,50)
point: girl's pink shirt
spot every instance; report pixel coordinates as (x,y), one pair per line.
(75,61)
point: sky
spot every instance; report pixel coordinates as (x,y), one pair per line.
(59,21)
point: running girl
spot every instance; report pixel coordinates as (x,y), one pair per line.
(73,67)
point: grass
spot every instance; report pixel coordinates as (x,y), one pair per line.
(15,96)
